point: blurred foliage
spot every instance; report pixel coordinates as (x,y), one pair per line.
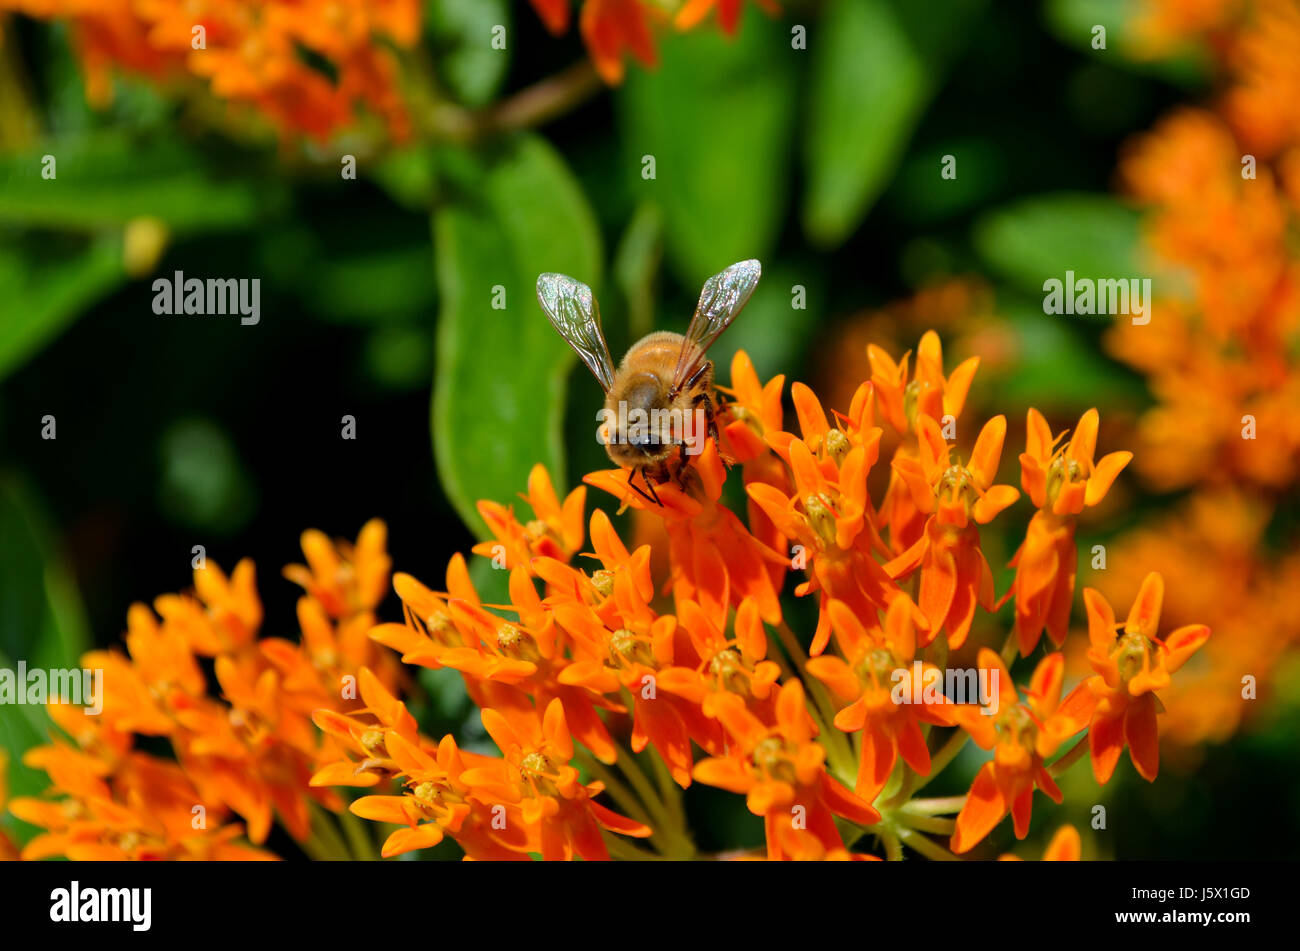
(821,161)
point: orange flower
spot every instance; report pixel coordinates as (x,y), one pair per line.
(954,573)
(755,412)
(252,53)
(1120,702)
(138,808)
(553,13)
(780,771)
(626,644)
(1021,734)
(828,515)
(869,679)
(554,532)
(611,26)
(345,579)
(693,11)
(559,813)
(716,561)
(1060,482)
(1064,847)
(438,802)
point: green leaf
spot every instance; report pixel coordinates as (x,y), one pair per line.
(876,64)
(107,178)
(461,32)
(44,289)
(716,117)
(636,266)
(1074,21)
(499,375)
(42,621)
(1042,237)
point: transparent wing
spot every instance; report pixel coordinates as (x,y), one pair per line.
(721,300)
(574,314)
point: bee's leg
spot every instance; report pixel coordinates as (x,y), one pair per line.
(709,415)
(683,461)
(652,496)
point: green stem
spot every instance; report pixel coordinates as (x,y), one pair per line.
(893,847)
(678,842)
(938,763)
(1010,649)
(530,107)
(358,835)
(842,761)
(933,824)
(325,834)
(942,806)
(1073,753)
(621,795)
(625,851)
(927,847)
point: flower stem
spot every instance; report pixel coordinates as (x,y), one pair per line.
(325,842)
(926,846)
(535,105)
(358,836)
(914,781)
(1067,760)
(942,806)
(838,751)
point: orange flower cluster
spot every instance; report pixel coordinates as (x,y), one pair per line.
(250,753)
(593,683)
(1221,189)
(612,28)
(307,65)
(583,659)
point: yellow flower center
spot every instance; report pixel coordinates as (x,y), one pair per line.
(1016,726)
(837,445)
(774,760)
(515,643)
(1061,472)
(820,512)
(1131,655)
(627,649)
(728,671)
(373,743)
(603,580)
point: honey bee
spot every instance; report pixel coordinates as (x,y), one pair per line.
(657,399)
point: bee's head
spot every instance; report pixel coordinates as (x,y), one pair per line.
(639,433)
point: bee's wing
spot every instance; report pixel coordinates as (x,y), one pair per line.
(574,314)
(721,300)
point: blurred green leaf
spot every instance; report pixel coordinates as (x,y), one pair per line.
(499,375)
(1042,237)
(42,290)
(203,483)
(772,330)
(1073,22)
(461,32)
(716,116)
(408,175)
(636,266)
(399,358)
(376,286)
(106,178)
(875,66)
(1059,369)
(42,622)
